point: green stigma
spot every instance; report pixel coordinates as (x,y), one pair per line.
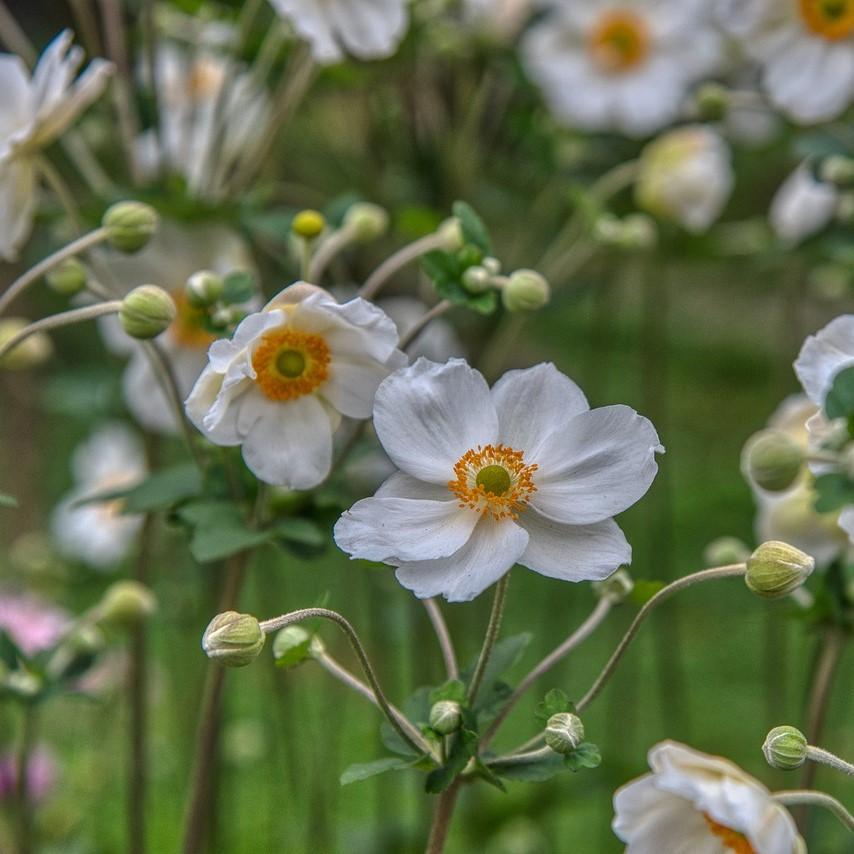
(494,479)
(290,363)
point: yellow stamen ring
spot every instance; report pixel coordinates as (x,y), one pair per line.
(494,480)
(831,19)
(289,364)
(619,42)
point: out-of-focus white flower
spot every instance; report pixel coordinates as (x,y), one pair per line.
(703,804)
(802,206)
(501,19)
(824,355)
(525,472)
(624,66)
(98,533)
(201,145)
(35,111)
(33,624)
(686,176)
(279,387)
(806,49)
(172,256)
(366,29)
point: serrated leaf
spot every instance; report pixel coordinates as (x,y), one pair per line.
(535,771)
(839,402)
(239,287)
(833,491)
(7,500)
(554,703)
(644,589)
(366,770)
(219,530)
(586,755)
(474,231)
(464,746)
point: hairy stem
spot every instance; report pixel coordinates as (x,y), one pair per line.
(811,798)
(412,335)
(398,261)
(442,818)
(825,757)
(440,627)
(492,629)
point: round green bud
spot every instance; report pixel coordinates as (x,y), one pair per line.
(67,278)
(837,169)
(446,716)
(308,224)
(366,221)
(31,351)
(564,732)
(775,569)
(477,279)
(146,312)
(204,288)
(525,290)
(292,646)
(130,225)
(773,460)
(233,639)
(712,101)
(470,255)
(125,605)
(785,748)
(615,588)
(724,551)
(451,234)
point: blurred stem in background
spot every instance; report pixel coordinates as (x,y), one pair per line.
(26,841)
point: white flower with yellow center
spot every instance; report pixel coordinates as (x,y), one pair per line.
(525,472)
(366,29)
(802,206)
(35,111)
(98,533)
(279,387)
(694,802)
(805,48)
(620,65)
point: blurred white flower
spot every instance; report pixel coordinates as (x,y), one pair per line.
(619,65)
(802,206)
(172,256)
(35,111)
(525,473)
(366,29)
(686,176)
(703,804)
(98,533)
(501,19)
(279,387)
(824,355)
(805,48)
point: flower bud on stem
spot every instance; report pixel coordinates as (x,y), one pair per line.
(786,749)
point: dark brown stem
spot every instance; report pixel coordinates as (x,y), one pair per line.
(442,818)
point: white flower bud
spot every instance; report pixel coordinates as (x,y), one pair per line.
(525,290)
(564,732)
(451,234)
(67,278)
(130,225)
(31,351)
(477,280)
(446,716)
(204,288)
(491,265)
(233,639)
(773,460)
(785,748)
(366,221)
(775,569)
(146,312)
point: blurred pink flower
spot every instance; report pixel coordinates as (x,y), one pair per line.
(33,624)
(41,775)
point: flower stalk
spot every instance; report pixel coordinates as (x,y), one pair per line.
(489,639)
(811,798)
(400,259)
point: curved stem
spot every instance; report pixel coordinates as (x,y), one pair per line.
(398,261)
(437,311)
(57,183)
(334,243)
(99,235)
(522,758)
(811,798)
(437,620)
(277,623)
(825,757)
(442,818)
(602,609)
(65,318)
(492,629)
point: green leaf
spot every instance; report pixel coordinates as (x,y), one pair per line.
(839,402)
(366,770)
(441,266)
(644,589)
(239,287)
(474,231)
(10,655)
(8,500)
(464,746)
(554,703)
(586,755)
(535,771)
(453,689)
(291,647)
(306,532)
(505,654)
(219,530)
(417,709)
(833,491)
(488,775)
(159,491)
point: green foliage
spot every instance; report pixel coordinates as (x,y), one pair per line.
(239,287)
(463,747)
(159,491)
(839,402)
(644,589)
(536,771)
(474,231)
(366,770)
(554,703)
(586,755)
(453,689)
(833,491)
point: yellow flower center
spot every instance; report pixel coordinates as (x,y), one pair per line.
(619,42)
(830,19)
(289,363)
(493,479)
(188,327)
(734,841)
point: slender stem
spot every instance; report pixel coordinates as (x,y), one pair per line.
(398,261)
(14,37)
(57,183)
(412,335)
(86,25)
(326,251)
(492,629)
(809,797)
(87,241)
(324,613)
(442,818)
(524,758)
(825,757)
(437,620)
(597,616)
(65,318)
(22,788)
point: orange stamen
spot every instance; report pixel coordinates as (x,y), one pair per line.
(289,363)
(831,19)
(619,42)
(734,841)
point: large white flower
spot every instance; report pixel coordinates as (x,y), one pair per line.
(35,111)
(172,256)
(702,804)
(686,176)
(802,206)
(279,387)
(621,65)
(98,533)
(824,355)
(525,472)
(805,48)
(366,29)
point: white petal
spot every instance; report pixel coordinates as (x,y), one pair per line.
(428,415)
(600,464)
(846,522)
(400,485)
(533,403)
(220,429)
(404,529)
(352,385)
(824,355)
(491,551)
(573,552)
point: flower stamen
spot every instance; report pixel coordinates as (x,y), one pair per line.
(494,480)
(289,364)
(831,19)
(619,42)
(732,839)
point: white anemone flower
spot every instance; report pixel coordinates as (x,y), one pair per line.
(525,472)
(686,176)
(98,533)
(171,257)
(365,29)
(805,49)
(694,802)
(824,355)
(279,387)
(35,111)
(622,65)
(802,206)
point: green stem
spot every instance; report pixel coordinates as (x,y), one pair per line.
(440,627)
(825,757)
(492,629)
(442,818)
(57,183)
(811,798)
(22,793)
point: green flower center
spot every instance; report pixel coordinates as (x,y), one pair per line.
(494,479)
(290,363)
